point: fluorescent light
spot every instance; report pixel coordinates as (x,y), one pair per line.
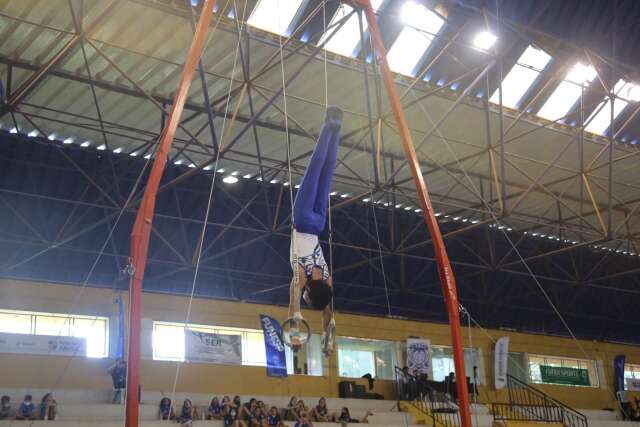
(274,16)
(286,183)
(484,40)
(133,154)
(520,78)
(345,195)
(51,137)
(118,150)
(414,39)
(208,167)
(408,208)
(68,140)
(247,176)
(102,147)
(85,144)
(568,92)
(147,156)
(333,193)
(347,40)
(297,186)
(600,120)
(229,179)
(273,181)
(192,165)
(178,162)
(366,200)
(417,210)
(221,170)
(399,205)
(235,173)
(13,130)
(32,134)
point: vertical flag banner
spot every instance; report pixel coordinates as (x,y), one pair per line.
(501,354)
(119,353)
(274,347)
(618,373)
(419,356)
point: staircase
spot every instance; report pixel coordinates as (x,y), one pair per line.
(529,405)
(428,406)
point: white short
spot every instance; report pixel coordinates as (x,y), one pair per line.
(306,249)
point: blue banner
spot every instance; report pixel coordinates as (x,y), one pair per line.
(618,373)
(274,346)
(119,352)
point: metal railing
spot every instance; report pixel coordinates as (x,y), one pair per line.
(527,403)
(437,406)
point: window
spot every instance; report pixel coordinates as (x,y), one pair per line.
(422,27)
(631,371)
(600,119)
(274,16)
(520,78)
(442,361)
(538,362)
(517,366)
(357,357)
(94,329)
(568,92)
(169,343)
(347,40)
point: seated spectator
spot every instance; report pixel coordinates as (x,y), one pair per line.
(249,412)
(321,413)
(230,416)
(48,407)
(6,413)
(299,409)
(27,410)
(289,414)
(237,402)
(303,419)
(188,413)
(273,418)
(345,417)
(214,411)
(226,403)
(166,409)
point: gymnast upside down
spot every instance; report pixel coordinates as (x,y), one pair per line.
(311,274)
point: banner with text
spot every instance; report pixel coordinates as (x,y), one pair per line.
(500,363)
(419,356)
(212,348)
(42,344)
(633,384)
(562,375)
(274,347)
(618,373)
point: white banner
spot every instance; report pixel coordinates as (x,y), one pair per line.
(42,344)
(419,356)
(213,348)
(501,354)
(633,384)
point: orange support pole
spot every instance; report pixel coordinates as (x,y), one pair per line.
(444,266)
(144,217)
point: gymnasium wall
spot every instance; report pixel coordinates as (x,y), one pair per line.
(50,372)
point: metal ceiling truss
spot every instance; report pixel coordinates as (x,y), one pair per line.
(245,252)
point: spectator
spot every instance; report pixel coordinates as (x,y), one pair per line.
(299,409)
(6,413)
(303,419)
(166,409)
(290,414)
(273,418)
(230,416)
(321,413)
(48,407)
(27,410)
(188,413)
(119,378)
(226,403)
(249,412)
(214,412)
(345,417)
(237,402)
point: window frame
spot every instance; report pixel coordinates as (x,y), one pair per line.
(70,320)
(394,362)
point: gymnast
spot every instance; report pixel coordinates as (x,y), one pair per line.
(311,273)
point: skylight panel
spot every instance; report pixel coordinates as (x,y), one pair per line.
(600,119)
(520,78)
(414,39)
(347,39)
(568,92)
(274,16)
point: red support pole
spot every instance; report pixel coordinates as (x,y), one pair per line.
(444,266)
(142,226)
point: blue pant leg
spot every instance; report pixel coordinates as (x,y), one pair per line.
(326,177)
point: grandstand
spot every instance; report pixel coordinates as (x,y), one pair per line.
(478,240)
